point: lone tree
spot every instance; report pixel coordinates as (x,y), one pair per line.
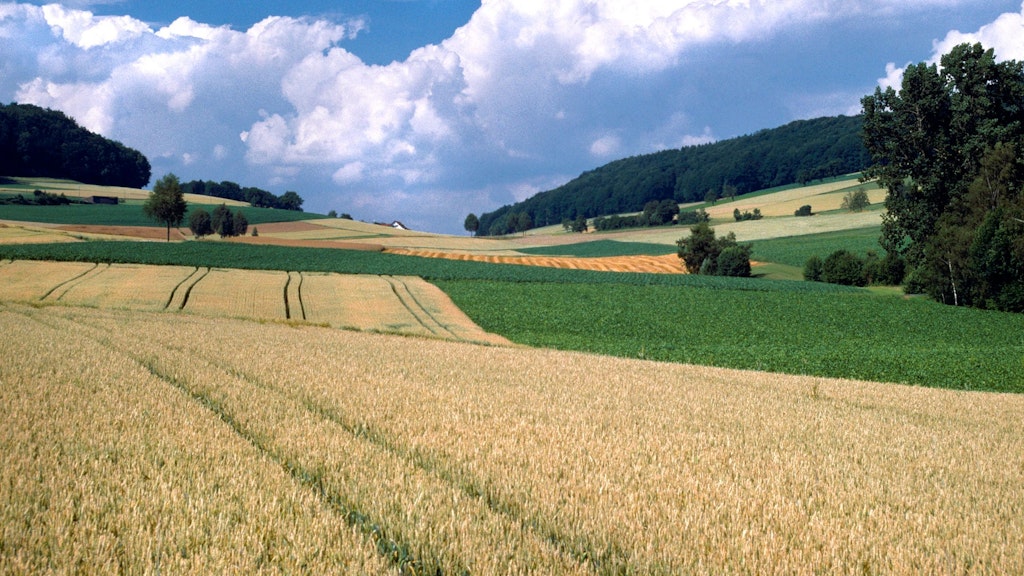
(472,224)
(167,203)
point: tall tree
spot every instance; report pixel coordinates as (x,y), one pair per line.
(930,143)
(166,203)
(472,224)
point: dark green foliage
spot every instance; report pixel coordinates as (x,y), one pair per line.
(472,224)
(39,142)
(804,210)
(947,149)
(734,261)
(825,147)
(813,269)
(847,335)
(199,223)
(747,215)
(167,203)
(39,198)
(856,200)
(701,253)
(255,196)
(241,223)
(693,217)
(843,267)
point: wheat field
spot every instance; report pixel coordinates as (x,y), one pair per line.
(405,305)
(139,441)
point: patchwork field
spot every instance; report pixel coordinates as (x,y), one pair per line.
(667,264)
(146,442)
(406,305)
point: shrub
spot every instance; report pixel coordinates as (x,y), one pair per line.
(856,200)
(742,216)
(804,210)
(812,269)
(735,261)
(843,267)
(199,223)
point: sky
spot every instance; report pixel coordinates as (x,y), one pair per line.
(424,111)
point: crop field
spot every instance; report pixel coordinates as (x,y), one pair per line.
(72,189)
(663,264)
(795,250)
(851,335)
(146,442)
(129,215)
(406,305)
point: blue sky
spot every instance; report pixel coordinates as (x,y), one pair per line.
(426,110)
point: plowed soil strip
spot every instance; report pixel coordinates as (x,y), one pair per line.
(667,264)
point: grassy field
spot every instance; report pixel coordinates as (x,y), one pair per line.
(863,336)
(291,449)
(795,250)
(130,214)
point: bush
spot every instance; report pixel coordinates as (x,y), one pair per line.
(735,261)
(743,216)
(843,267)
(856,200)
(200,224)
(812,269)
(804,210)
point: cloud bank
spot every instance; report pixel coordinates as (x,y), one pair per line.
(522,97)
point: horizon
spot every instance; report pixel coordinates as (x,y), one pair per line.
(426,110)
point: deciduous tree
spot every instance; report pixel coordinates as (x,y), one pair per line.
(166,204)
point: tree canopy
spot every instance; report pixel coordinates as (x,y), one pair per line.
(166,204)
(947,146)
(35,141)
(255,196)
(797,152)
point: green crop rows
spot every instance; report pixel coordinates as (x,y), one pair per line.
(130,214)
(795,250)
(601,248)
(858,336)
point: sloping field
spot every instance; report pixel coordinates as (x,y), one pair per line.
(20,234)
(668,264)
(72,189)
(183,450)
(406,305)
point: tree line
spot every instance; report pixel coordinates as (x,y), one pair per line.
(948,147)
(255,196)
(38,142)
(798,152)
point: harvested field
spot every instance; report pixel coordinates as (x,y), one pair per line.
(406,305)
(667,264)
(134,232)
(448,457)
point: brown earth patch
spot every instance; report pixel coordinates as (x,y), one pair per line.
(667,264)
(286,227)
(145,232)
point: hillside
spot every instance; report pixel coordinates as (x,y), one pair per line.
(38,142)
(798,152)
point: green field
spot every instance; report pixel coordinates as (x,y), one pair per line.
(795,250)
(130,214)
(860,336)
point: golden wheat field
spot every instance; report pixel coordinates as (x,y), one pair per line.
(144,442)
(406,305)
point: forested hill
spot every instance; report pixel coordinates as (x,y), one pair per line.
(801,151)
(39,142)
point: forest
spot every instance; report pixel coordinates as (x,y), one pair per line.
(255,196)
(798,152)
(36,141)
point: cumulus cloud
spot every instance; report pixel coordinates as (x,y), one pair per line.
(522,93)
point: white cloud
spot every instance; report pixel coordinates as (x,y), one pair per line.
(1005,35)
(524,92)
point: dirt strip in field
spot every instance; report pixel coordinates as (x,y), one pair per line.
(667,264)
